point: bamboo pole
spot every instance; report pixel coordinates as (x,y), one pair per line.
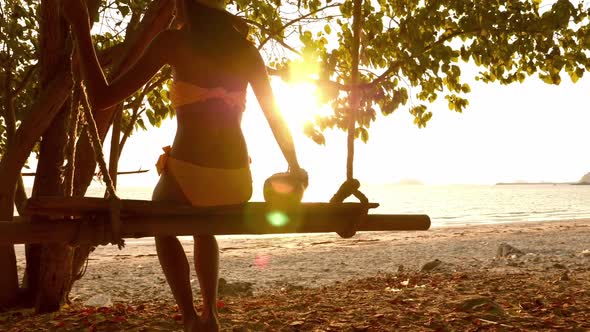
(147,218)
(87,231)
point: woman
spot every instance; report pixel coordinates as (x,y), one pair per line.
(208,163)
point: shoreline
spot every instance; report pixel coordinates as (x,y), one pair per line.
(255,265)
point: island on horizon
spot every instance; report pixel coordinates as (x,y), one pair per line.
(585,180)
(541,183)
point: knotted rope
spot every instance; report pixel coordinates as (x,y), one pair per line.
(115,202)
(348,188)
(351,185)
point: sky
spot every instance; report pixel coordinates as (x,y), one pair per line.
(520,132)
(530,132)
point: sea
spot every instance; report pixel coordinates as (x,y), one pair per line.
(458,205)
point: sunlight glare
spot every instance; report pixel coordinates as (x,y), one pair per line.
(303,70)
(298,96)
(299,103)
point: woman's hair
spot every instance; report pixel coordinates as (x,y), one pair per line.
(215,31)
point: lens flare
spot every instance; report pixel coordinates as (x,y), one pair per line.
(277,218)
(261,261)
(282,187)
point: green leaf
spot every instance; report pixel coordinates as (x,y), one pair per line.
(124,10)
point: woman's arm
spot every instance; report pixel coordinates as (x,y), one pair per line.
(101,93)
(260,83)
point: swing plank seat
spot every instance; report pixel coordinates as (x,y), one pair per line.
(82,220)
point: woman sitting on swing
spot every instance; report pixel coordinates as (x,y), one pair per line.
(208,163)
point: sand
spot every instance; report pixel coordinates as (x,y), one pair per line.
(257,264)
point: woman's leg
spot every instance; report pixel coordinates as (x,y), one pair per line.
(207,267)
(172,257)
(176,269)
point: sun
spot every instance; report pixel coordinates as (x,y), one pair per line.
(299,103)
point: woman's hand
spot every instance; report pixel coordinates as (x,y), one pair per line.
(76,13)
(300,174)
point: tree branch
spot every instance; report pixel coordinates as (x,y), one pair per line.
(23,83)
(268,32)
(288,24)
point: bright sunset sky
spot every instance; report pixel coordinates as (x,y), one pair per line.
(521,132)
(530,131)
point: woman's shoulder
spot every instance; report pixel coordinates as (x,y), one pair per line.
(249,49)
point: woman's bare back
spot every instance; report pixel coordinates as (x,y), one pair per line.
(209,131)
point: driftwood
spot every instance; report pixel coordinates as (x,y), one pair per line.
(86,220)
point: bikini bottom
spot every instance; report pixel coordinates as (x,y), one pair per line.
(206,186)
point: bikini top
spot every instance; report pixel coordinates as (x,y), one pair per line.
(183,93)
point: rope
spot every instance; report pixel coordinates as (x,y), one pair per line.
(70,150)
(115,210)
(115,205)
(115,136)
(96,145)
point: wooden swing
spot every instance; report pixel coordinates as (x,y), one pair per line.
(92,221)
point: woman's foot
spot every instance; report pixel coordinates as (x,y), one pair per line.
(190,322)
(202,325)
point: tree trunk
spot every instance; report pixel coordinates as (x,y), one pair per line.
(49,266)
(40,117)
(13,160)
(8,279)
(48,270)
(157,18)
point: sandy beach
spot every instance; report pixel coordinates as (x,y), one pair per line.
(319,260)
(257,266)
